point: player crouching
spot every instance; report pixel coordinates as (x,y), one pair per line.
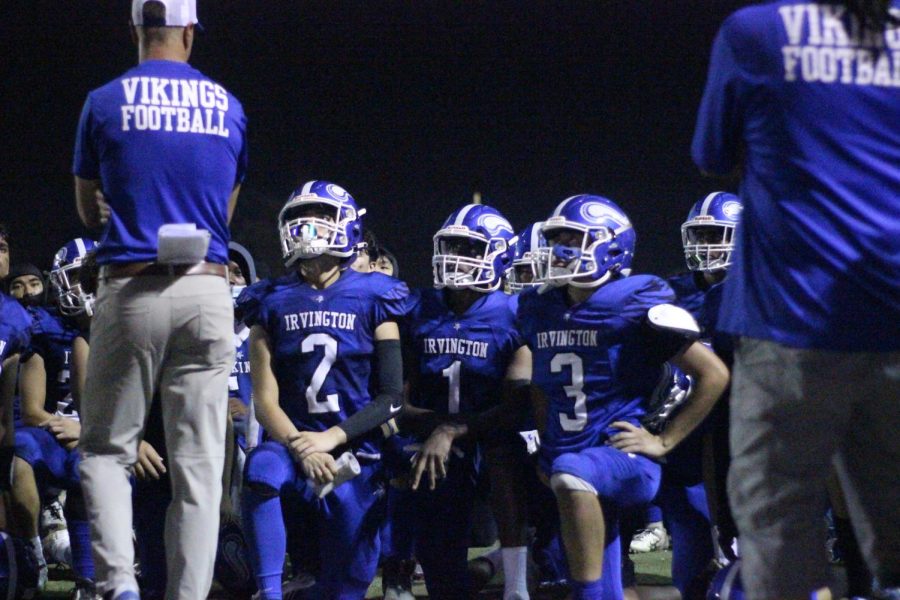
(599,339)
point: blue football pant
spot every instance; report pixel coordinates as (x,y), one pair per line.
(621,481)
(56,467)
(347,525)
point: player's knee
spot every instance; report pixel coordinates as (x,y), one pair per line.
(266,469)
(563,483)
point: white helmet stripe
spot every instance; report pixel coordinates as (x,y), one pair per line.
(704,209)
(561,206)
(462,213)
(534,242)
(307,187)
(82,250)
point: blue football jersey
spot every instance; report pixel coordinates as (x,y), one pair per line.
(323,342)
(52,338)
(239,384)
(15,328)
(462,359)
(598,361)
(704,304)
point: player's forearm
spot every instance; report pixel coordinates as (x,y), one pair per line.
(710,385)
(274,420)
(33,417)
(388,402)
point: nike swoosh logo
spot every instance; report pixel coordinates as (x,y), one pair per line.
(396,409)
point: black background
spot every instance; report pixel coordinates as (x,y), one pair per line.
(411,106)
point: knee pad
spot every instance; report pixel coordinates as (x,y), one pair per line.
(268,467)
(560,482)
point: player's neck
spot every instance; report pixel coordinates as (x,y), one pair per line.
(320,273)
(712,278)
(577,295)
(459,301)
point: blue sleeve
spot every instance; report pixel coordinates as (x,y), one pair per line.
(392,303)
(86,163)
(250,305)
(717,137)
(522,320)
(242,159)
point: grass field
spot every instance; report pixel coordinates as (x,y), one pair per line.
(652,569)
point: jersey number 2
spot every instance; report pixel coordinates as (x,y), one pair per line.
(312,392)
(571,359)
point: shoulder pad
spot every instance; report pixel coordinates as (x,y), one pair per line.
(673,318)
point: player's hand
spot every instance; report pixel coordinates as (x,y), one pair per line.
(237,409)
(66,431)
(149,464)
(637,440)
(319,466)
(432,457)
(305,443)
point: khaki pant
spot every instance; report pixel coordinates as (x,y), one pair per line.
(170,336)
(794,413)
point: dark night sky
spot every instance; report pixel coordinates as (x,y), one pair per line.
(411,106)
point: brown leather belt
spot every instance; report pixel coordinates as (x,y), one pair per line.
(136,269)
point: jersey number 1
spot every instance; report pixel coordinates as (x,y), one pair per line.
(572,391)
(312,392)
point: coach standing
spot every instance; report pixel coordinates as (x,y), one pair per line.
(804,99)
(159,158)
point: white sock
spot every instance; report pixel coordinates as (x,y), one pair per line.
(515,573)
(37,550)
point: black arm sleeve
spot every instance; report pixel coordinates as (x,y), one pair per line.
(388,401)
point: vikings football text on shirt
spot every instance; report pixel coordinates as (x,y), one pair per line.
(181,105)
(828,45)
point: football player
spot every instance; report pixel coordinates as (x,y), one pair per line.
(46,447)
(320,339)
(26,284)
(599,338)
(469,357)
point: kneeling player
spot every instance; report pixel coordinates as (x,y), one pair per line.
(314,337)
(599,339)
(469,355)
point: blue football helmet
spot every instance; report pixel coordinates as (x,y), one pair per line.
(320,218)
(726,585)
(607,242)
(708,233)
(473,249)
(64,276)
(526,270)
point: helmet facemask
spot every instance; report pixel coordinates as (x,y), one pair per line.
(466,260)
(708,244)
(71,299)
(525,272)
(310,226)
(563,263)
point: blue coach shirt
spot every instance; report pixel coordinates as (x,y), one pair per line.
(169,146)
(813,102)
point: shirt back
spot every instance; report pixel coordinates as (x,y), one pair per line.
(169,146)
(813,101)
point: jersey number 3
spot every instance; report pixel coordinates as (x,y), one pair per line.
(570,359)
(312,392)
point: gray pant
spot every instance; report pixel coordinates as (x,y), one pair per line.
(794,413)
(171,337)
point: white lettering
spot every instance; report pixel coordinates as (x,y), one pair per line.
(792,16)
(129,86)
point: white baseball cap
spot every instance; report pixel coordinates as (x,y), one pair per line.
(179,13)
